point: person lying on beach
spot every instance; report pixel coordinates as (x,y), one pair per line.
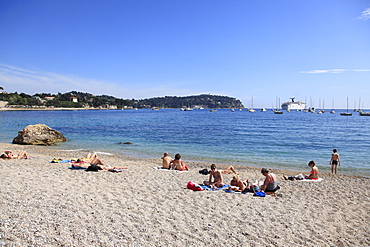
(228,170)
(216,175)
(314,173)
(9,155)
(166,161)
(270,184)
(177,164)
(238,185)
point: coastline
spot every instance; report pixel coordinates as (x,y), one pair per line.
(47,204)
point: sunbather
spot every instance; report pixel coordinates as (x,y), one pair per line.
(236,182)
(9,155)
(314,173)
(216,175)
(177,164)
(166,161)
(270,184)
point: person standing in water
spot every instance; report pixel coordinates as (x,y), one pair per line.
(334,161)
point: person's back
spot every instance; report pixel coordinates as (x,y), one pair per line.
(166,161)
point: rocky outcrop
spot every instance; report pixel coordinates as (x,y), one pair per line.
(38,134)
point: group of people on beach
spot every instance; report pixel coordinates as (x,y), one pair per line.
(269,185)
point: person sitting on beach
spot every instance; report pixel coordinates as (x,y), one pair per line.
(9,155)
(236,182)
(216,175)
(334,161)
(166,161)
(314,173)
(177,164)
(270,184)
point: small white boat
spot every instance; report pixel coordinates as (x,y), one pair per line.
(251,110)
(213,110)
(278,112)
(263,109)
(232,110)
(332,111)
(155,108)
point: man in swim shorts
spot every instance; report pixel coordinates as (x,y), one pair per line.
(334,161)
(166,161)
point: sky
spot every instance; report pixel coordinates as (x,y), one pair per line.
(266,50)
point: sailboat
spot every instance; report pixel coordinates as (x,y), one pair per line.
(332,110)
(346,113)
(277,111)
(251,109)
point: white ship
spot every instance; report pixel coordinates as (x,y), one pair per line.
(293,105)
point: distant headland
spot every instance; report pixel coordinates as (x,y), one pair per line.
(78,100)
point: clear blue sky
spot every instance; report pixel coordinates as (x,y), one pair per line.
(315,50)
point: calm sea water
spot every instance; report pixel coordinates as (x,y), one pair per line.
(260,139)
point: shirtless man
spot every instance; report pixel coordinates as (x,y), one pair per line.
(334,161)
(217,178)
(166,161)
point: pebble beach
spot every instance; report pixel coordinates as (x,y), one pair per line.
(47,204)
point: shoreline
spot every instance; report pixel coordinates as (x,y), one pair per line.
(47,204)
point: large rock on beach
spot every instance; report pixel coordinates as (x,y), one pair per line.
(38,134)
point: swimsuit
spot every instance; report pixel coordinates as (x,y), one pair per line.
(272,187)
(334,162)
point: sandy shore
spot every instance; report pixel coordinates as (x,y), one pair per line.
(47,204)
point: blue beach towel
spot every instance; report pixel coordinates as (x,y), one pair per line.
(77,168)
(205,187)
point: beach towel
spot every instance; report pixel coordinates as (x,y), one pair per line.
(60,161)
(76,167)
(164,169)
(312,180)
(205,187)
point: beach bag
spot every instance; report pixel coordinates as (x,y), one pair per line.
(255,188)
(194,186)
(260,194)
(204,172)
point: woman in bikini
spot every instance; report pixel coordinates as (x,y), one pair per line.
(314,173)
(177,164)
(9,155)
(217,178)
(236,182)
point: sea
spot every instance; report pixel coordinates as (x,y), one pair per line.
(259,139)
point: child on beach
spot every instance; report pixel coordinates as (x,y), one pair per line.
(334,161)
